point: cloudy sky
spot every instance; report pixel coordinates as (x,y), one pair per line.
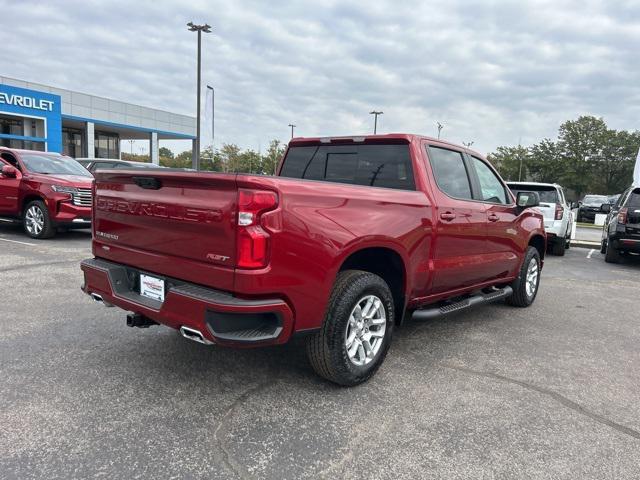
(491,72)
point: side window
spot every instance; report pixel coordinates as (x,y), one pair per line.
(491,187)
(10,159)
(450,172)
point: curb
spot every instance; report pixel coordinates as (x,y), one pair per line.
(585,244)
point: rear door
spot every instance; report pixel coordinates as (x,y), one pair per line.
(459,248)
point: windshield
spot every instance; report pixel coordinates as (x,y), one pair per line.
(53,165)
(547,194)
(595,200)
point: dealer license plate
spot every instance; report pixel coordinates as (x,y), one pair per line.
(152,287)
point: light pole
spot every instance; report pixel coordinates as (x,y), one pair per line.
(207,29)
(292,127)
(131,142)
(468,144)
(440,127)
(213,113)
(375,120)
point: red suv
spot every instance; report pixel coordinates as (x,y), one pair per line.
(44,191)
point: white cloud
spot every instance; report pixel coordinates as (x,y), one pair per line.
(492,72)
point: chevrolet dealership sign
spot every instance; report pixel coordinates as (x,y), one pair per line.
(26,102)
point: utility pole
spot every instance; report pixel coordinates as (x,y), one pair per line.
(292,127)
(375,121)
(520,155)
(207,29)
(440,127)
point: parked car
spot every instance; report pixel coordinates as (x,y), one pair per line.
(613,198)
(558,217)
(44,191)
(590,206)
(354,236)
(621,231)
(92,164)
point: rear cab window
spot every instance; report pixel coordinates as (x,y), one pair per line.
(547,193)
(375,165)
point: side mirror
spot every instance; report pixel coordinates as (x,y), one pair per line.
(573,205)
(528,199)
(605,208)
(9,171)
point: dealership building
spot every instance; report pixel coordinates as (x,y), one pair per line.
(39,117)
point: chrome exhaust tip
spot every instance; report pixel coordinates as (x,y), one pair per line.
(98,298)
(195,335)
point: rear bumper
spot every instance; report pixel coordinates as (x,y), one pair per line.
(622,242)
(221,317)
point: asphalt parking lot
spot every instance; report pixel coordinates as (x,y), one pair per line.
(546,392)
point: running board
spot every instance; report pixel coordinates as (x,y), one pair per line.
(472,301)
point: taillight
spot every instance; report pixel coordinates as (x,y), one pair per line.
(559,211)
(253,240)
(622,215)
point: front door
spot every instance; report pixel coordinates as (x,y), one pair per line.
(9,188)
(502,228)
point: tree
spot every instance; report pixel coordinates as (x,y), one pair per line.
(546,163)
(581,142)
(165,152)
(511,162)
(273,156)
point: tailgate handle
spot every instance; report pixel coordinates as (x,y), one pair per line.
(149,183)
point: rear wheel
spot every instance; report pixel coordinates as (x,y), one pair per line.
(357,329)
(612,255)
(525,287)
(559,246)
(603,246)
(36,221)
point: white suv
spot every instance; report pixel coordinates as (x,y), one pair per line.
(558,217)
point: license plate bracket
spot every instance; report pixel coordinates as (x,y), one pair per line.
(152,287)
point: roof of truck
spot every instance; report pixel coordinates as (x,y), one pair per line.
(404,137)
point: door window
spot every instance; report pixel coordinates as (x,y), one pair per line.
(491,188)
(450,172)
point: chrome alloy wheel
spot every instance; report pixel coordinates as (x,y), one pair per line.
(532,277)
(34,220)
(365,330)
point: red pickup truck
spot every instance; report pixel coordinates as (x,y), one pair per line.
(354,235)
(44,191)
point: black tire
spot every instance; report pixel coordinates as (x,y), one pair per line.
(559,246)
(520,296)
(327,350)
(612,255)
(603,246)
(43,230)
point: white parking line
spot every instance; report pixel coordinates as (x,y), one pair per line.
(16,241)
(590,253)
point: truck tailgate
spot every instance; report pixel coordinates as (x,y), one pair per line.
(158,219)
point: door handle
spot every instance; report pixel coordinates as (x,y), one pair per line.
(447,216)
(493,217)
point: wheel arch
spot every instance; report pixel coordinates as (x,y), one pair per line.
(30,197)
(387,263)
(539,242)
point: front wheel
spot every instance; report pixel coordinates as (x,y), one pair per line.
(357,329)
(36,221)
(559,247)
(525,287)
